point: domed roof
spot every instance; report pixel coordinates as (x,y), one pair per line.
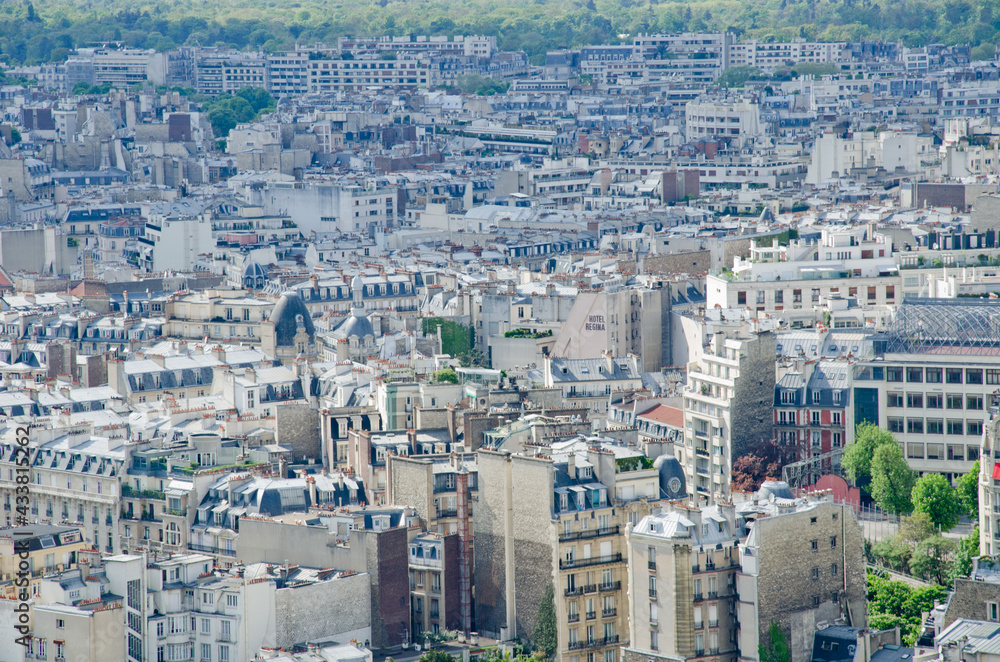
(777,488)
(672,482)
(288,314)
(355,326)
(253,269)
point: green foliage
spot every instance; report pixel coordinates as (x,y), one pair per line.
(962,561)
(15,135)
(544,637)
(931,558)
(481,85)
(525,333)
(738,76)
(226,111)
(635,463)
(916,527)
(892,603)
(933,495)
(446,376)
(968,491)
(435,655)
(455,338)
(892,479)
(857,459)
(776,649)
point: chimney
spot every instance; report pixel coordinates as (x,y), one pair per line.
(311,482)
(282,466)
(452,424)
(250,375)
(571,465)
(411,436)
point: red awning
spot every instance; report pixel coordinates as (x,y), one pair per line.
(996,471)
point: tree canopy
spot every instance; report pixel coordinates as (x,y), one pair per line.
(33,33)
(857,459)
(934,496)
(968,491)
(892,479)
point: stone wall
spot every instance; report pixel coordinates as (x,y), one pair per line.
(786,587)
(753,396)
(298,428)
(323,610)
(969,600)
(689,262)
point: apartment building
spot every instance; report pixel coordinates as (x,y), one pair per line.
(989,488)
(125,67)
(932,380)
(812,406)
(801,565)
(727,409)
(555,504)
(843,262)
(330,206)
(219,315)
(590,382)
(736,121)
(327,75)
(47,548)
(783,54)
(435,580)
(288,73)
(75,477)
(695,57)
(683,562)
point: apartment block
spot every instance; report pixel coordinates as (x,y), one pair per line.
(727,409)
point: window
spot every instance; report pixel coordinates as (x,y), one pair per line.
(833,542)
(652,586)
(935,426)
(223,653)
(206,626)
(915,375)
(894,373)
(779,297)
(232,600)
(935,451)
(974,428)
(954,401)
(934,401)
(653,642)
(953,375)
(60,624)
(993,376)
(741,298)
(833,569)
(932,375)
(815,601)
(895,399)
(915,425)
(992,612)
(973,375)
(955,426)
(915,400)
(815,573)
(814,545)
(206,652)
(895,424)
(974,402)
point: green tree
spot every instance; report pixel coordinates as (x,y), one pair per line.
(968,491)
(446,375)
(223,121)
(892,479)
(738,76)
(932,494)
(916,527)
(544,637)
(931,558)
(776,649)
(961,562)
(857,459)
(435,655)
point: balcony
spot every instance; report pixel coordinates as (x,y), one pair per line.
(713,624)
(591,533)
(591,615)
(699,625)
(593,643)
(611,586)
(574,618)
(698,597)
(570,592)
(609,613)
(651,565)
(594,560)
(652,593)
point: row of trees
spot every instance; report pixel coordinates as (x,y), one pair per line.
(30,34)
(876,464)
(892,603)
